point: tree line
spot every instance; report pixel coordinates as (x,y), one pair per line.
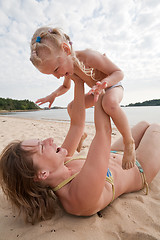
(12,104)
(154,102)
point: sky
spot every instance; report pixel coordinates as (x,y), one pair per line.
(127,31)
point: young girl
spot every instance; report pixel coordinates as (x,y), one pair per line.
(52,53)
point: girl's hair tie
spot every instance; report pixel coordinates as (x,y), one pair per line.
(38,39)
(70,43)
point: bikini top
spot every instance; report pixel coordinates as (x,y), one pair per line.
(109,177)
(63,183)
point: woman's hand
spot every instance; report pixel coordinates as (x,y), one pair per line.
(97,89)
(50,98)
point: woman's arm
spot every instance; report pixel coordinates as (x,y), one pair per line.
(77,119)
(87,188)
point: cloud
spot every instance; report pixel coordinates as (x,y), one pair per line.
(127,31)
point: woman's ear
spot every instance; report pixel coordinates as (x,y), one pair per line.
(66,48)
(41,175)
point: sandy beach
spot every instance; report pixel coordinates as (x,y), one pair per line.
(132,216)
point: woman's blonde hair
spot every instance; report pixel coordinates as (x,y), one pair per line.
(17,174)
(48,38)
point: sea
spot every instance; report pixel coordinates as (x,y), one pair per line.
(150,114)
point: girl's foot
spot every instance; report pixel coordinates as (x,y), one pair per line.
(81,142)
(129,156)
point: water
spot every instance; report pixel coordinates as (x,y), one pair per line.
(150,114)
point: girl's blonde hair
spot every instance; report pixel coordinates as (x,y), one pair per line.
(17,174)
(42,42)
(49,38)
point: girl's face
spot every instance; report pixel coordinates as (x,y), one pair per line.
(59,63)
(46,154)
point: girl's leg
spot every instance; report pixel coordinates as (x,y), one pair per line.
(89,102)
(111,106)
(148,152)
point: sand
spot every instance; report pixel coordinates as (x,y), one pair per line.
(132,216)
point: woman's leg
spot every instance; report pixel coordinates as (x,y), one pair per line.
(147,138)
(137,132)
(110,103)
(148,152)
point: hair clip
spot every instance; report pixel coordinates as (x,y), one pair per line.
(38,39)
(70,43)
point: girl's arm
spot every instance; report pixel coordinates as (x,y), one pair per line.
(102,63)
(87,188)
(58,92)
(63,88)
(77,119)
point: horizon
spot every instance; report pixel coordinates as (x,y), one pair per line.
(57,106)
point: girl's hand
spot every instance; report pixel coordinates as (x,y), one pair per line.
(97,89)
(50,98)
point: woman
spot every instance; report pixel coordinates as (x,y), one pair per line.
(30,171)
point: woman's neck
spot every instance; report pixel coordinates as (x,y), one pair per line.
(56,177)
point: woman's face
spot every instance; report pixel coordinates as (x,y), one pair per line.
(46,154)
(58,63)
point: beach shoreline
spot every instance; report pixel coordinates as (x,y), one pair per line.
(131,216)
(134,115)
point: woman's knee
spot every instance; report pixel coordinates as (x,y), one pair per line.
(143,125)
(154,127)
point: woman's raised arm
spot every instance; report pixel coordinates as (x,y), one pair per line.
(77,118)
(88,186)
